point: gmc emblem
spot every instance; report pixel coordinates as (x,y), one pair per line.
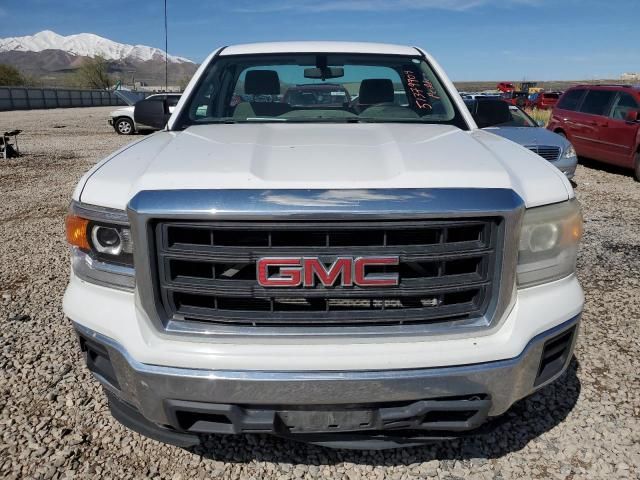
(310,271)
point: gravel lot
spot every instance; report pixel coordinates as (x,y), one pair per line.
(54,420)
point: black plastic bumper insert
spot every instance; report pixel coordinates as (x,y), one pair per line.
(555,355)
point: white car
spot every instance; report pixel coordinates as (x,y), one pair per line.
(367,275)
(122,119)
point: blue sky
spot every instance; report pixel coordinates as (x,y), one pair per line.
(472,39)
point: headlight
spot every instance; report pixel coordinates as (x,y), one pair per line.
(570,152)
(549,243)
(111,240)
(101,246)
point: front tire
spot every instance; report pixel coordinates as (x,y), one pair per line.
(124,126)
(636,167)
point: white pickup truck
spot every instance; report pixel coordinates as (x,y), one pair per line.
(365,274)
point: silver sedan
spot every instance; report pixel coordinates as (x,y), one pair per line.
(524,130)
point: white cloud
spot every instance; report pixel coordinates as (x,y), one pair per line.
(267,6)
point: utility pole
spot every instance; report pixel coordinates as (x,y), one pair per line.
(166,51)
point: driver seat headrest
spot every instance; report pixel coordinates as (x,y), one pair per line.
(262,82)
(375,90)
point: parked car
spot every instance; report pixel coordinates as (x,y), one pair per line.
(602,122)
(516,98)
(524,130)
(364,278)
(473,96)
(122,119)
(545,100)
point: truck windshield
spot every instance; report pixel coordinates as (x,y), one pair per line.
(318,88)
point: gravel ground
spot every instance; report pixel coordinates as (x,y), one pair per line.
(54,421)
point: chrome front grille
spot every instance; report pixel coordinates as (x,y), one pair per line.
(206,271)
(450,242)
(547,152)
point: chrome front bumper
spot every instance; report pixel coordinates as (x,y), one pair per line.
(150,390)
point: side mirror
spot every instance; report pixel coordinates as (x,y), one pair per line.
(541,123)
(633,116)
(152,113)
(324,73)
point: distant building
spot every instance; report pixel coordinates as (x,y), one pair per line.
(160,88)
(630,77)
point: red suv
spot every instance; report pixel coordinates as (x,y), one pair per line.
(602,122)
(546,100)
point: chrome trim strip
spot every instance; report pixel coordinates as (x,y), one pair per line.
(146,386)
(109,267)
(94,271)
(343,204)
(339,205)
(99,214)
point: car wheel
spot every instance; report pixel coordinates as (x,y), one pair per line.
(636,168)
(124,126)
(562,134)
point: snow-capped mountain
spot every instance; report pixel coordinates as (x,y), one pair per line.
(85,45)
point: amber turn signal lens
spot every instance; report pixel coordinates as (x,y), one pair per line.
(76,228)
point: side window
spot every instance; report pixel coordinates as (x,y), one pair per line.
(597,101)
(571,99)
(622,105)
(202,104)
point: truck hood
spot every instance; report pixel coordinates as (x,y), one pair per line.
(321,156)
(128,111)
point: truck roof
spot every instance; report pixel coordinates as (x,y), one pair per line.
(318,47)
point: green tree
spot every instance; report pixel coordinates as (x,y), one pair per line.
(10,76)
(93,73)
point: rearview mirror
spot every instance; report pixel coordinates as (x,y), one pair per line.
(489,112)
(152,113)
(633,116)
(324,73)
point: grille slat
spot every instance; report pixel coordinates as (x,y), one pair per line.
(408,253)
(547,152)
(428,265)
(207,271)
(236,310)
(228,289)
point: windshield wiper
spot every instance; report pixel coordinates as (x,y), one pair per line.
(212,121)
(390,120)
(309,120)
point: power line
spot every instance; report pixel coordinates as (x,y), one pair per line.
(166,51)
